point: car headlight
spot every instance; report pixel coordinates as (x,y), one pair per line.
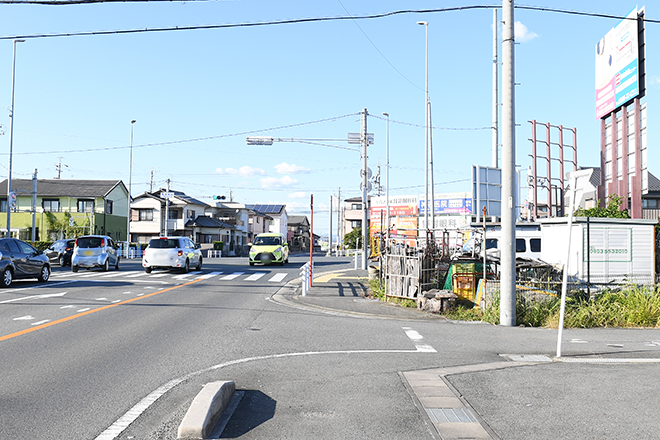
(278,250)
(253,251)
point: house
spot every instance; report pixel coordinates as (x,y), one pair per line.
(279,218)
(235,216)
(298,232)
(258,223)
(66,208)
(352,217)
(149,211)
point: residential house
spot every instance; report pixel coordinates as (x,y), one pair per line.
(279,218)
(299,233)
(236,217)
(65,208)
(258,223)
(352,217)
(149,211)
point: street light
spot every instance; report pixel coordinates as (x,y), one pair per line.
(130,176)
(426,131)
(387,178)
(11,137)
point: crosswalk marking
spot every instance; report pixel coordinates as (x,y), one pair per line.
(233,276)
(277,277)
(210,275)
(255,276)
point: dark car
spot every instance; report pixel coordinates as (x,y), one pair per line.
(20,260)
(60,251)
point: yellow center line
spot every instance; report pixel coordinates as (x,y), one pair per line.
(89,312)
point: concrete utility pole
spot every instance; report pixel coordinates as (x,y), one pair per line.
(495,93)
(167,209)
(34,205)
(340,223)
(508,249)
(329,253)
(365,183)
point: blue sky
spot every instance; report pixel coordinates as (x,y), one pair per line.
(196,93)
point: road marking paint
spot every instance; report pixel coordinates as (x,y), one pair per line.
(209,275)
(116,301)
(110,275)
(40,322)
(255,276)
(578,341)
(127,293)
(88,312)
(417,338)
(70,306)
(24,318)
(232,276)
(47,295)
(135,275)
(278,277)
(180,277)
(102,299)
(158,275)
(84,310)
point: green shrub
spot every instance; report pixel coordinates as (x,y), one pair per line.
(217,245)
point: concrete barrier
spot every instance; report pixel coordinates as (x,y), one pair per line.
(205,410)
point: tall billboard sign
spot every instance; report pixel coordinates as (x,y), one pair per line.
(617,66)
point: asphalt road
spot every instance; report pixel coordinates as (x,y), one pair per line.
(120,355)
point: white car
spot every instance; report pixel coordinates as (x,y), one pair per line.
(171,253)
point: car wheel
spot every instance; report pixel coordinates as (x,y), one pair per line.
(199,264)
(186,267)
(251,263)
(106,265)
(44,275)
(7,277)
(74,268)
(117,264)
(61,260)
(147,269)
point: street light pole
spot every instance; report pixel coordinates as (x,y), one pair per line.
(11,137)
(130,177)
(387,179)
(426,129)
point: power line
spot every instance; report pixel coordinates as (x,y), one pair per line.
(276,22)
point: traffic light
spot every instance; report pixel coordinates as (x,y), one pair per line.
(218,197)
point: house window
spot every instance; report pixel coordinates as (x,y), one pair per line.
(650,203)
(191,214)
(175,214)
(51,205)
(145,215)
(356,206)
(356,223)
(85,205)
(108,206)
(3,205)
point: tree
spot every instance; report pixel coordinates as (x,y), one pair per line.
(612,210)
(353,240)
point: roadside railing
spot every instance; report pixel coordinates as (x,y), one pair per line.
(212,253)
(306,277)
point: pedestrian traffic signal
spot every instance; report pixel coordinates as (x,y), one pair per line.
(218,197)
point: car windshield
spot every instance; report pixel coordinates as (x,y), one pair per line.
(89,242)
(164,243)
(267,241)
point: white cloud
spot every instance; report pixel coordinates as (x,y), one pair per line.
(274,182)
(244,171)
(298,195)
(654,81)
(285,168)
(522,34)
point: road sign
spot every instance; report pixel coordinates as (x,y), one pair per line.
(356,138)
(369,187)
(369,173)
(167,195)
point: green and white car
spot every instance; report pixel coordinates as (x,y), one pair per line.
(269,248)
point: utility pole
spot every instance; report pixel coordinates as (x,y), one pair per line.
(340,222)
(34,205)
(495,146)
(329,254)
(167,209)
(365,183)
(151,181)
(58,167)
(508,249)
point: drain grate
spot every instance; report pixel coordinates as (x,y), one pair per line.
(451,415)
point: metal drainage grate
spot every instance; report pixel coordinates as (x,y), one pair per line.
(451,415)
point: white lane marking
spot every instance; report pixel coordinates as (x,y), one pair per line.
(94,274)
(134,275)
(232,276)
(102,299)
(578,341)
(180,277)
(278,277)
(158,275)
(255,276)
(116,301)
(70,306)
(24,318)
(127,293)
(110,275)
(195,272)
(40,322)
(115,430)
(210,275)
(417,338)
(47,295)
(83,310)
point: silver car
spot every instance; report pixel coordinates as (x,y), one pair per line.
(171,253)
(95,251)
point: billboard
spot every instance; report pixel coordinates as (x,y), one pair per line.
(452,203)
(399,206)
(617,66)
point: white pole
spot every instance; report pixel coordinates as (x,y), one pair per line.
(426,130)
(130,176)
(564,281)
(508,249)
(11,137)
(387,201)
(365,182)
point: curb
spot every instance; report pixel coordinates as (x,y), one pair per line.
(205,410)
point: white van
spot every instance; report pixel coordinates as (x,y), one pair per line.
(528,244)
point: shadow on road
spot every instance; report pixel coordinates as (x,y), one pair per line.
(254,409)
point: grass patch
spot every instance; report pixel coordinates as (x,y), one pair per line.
(376,290)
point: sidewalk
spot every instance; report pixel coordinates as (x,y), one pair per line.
(597,390)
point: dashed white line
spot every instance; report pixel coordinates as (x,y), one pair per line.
(24,318)
(255,276)
(40,322)
(417,338)
(232,276)
(83,310)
